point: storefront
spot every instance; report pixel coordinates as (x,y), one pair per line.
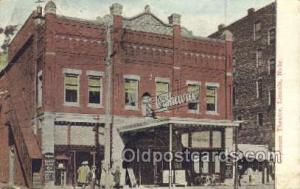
(68,160)
(197,147)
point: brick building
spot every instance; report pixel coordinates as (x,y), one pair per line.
(54,91)
(254,74)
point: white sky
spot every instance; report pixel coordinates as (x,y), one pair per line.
(200,16)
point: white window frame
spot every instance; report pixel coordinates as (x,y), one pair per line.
(269,38)
(137,78)
(254,29)
(269,64)
(40,89)
(198,83)
(75,72)
(257,59)
(216,85)
(270,97)
(162,80)
(96,74)
(258,94)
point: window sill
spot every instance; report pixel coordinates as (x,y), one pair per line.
(90,105)
(193,111)
(134,108)
(72,104)
(212,113)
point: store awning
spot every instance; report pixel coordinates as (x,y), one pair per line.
(252,151)
(180,122)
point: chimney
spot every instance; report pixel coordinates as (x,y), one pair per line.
(116,9)
(221,27)
(251,11)
(174,19)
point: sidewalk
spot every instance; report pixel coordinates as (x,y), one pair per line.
(261,186)
(6,186)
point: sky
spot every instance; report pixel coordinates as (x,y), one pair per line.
(200,16)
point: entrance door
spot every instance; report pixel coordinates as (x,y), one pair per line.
(147,173)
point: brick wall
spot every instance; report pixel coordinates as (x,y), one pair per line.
(145,54)
(247,74)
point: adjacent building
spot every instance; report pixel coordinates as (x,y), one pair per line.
(254,38)
(170,92)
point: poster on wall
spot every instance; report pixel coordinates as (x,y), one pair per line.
(49,167)
(200,139)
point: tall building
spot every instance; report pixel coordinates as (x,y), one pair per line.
(170,92)
(254,38)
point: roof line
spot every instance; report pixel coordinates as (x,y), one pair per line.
(146,13)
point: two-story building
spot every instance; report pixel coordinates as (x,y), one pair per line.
(56,93)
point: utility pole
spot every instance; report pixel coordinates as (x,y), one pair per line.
(108,103)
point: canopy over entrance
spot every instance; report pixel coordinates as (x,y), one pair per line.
(179,122)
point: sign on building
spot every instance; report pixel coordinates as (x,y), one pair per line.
(166,100)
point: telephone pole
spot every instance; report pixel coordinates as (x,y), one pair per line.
(108,102)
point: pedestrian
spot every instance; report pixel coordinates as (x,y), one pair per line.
(83,172)
(250,174)
(92,177)
(103,175)
(117,177)
(240,171)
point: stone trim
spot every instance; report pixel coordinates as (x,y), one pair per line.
(129,76)
(94,73)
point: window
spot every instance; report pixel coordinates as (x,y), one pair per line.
(131,93)
(259,89)
(216,139)
(194,106)
(260,119)
(271,36)
(39,89)
(211,98)
(271,97)
(94,88)
(271,66)
(217,164)
(71,88)
(162,92)
(239,117)
(234,97)
(200,139)
(258,57)
(205,164)
(234,66)
(257,30)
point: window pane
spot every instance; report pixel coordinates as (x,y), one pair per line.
(217,164)
(272,66)
(211,98)
(272,35)
(260,119)
(71,87)
(194,89)
(196,160)
(162,88)
(131,92)
(94,89)
(205,164)
(71,95)
(185,139)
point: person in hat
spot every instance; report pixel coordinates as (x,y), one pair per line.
(83,172)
